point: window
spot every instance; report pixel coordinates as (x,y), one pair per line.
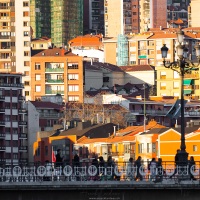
(162,75)
(148,148)
(126,148)
(37,88)
(26,93)
(194,147)
(176,74)
(26,33)
(72,76)
(26,43)
(141,148)
(25,4)
(163,86)
(26,73)
(37,77)
(37,66)
(176,85)
(26,83)
(26,53)
(25,23)
(25,14)
(72,65)
(73,88)
(73,98)
(26,63)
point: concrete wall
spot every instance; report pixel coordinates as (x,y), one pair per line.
(98,193)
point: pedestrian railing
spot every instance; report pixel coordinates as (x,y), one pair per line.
(89,172)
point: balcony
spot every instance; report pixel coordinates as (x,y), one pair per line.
(2,98)
(50,115)
(142,56)
(22,123)
(54,81)
(150,112)
(22,136)
(191,76)
(21,98)
(2,135)
(22,111)
(23,148)
(23,160)
(54,70)
(2,148)
(19,85)
(2,123)
(54,92)
(2,110)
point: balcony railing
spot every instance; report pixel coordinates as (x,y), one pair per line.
(11,85)
(21,98)
(22,111)
(22,136)
(22,123)
(2,110)
(2,135)
(54,70)
(2,148)
(23,148)
(54,81)
(51,115)
(191,76)
(2,123)
(2,98)
(150,112)
(54,92)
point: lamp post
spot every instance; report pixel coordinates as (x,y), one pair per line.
(144,109)
(183,65)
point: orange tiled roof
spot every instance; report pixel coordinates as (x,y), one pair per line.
(138,68)
(86,40)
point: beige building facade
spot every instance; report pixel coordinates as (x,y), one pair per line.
(15,39)
(193,18)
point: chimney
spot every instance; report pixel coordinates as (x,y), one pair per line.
(114,130)
(62,52)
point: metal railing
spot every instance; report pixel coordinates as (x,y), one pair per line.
(86,171)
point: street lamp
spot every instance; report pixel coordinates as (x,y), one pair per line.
(182,65)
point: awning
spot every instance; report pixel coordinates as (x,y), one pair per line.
(187,82)
(187,91)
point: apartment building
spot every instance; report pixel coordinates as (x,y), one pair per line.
(15,37)
(118,17)
(13,121)
(57,19)
(57,71)
(96,16)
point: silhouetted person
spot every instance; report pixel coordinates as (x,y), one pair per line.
(191,163)
(76,160)
(176,160)
(59,159)
(138,164)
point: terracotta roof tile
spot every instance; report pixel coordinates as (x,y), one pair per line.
(45,104)
(51,52)
(138,68)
